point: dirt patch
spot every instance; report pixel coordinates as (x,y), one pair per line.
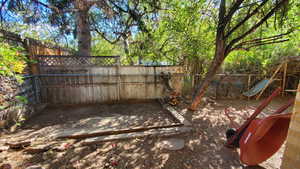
(58,120)
(204,148)
(79,116)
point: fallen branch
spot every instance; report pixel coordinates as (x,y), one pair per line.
(18,145)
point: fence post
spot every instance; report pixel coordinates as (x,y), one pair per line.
(118,63)
(35,88)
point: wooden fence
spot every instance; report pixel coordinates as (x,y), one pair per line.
(97,79)
(33,46)
(223,86)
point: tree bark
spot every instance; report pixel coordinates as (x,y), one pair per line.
(126,51)
(219,57)
(83,29)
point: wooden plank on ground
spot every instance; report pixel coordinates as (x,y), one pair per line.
(94,132)
(18,145)
(149,133)
(177,116)
(37,149)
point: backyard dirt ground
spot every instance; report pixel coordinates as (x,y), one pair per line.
(204,146)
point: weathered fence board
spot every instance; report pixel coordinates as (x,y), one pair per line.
(95,84)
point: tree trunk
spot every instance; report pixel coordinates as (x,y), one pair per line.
(219,57)
(126,50)
(222,48)
(83,29)
(215,65)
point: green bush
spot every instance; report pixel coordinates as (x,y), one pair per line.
(12,60)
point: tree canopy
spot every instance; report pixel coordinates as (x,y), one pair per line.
(110,19)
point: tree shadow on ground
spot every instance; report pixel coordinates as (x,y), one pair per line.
(204,149)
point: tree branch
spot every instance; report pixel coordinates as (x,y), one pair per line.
(256,10)
(257,44)
(2,5)
(105,38)
(164,43)
(265,39)
(251,4)
(54,8)
(221,22)
(118,7)
(47,6)
(232,10)
(254,27)
(120,34)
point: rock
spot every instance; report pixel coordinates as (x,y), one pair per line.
(172,144)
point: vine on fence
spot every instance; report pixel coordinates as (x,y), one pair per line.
(12,60)
(12,64)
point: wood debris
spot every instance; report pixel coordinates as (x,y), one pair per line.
(18,145)
(150,133)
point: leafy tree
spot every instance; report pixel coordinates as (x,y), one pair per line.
(179,36)
(101,47)
(237,21)
(185,33)
(111,19)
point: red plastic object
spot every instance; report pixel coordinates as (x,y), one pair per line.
(263,138)
(258,110)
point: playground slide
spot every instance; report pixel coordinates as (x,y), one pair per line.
(257,88)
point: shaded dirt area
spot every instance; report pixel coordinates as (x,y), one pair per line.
(204,147)
(57,120)
(134,115)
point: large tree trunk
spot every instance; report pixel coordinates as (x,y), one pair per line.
(219,57)
(83,29)
(215,65)
(126,50)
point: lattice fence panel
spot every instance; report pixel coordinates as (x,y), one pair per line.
(55,60)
